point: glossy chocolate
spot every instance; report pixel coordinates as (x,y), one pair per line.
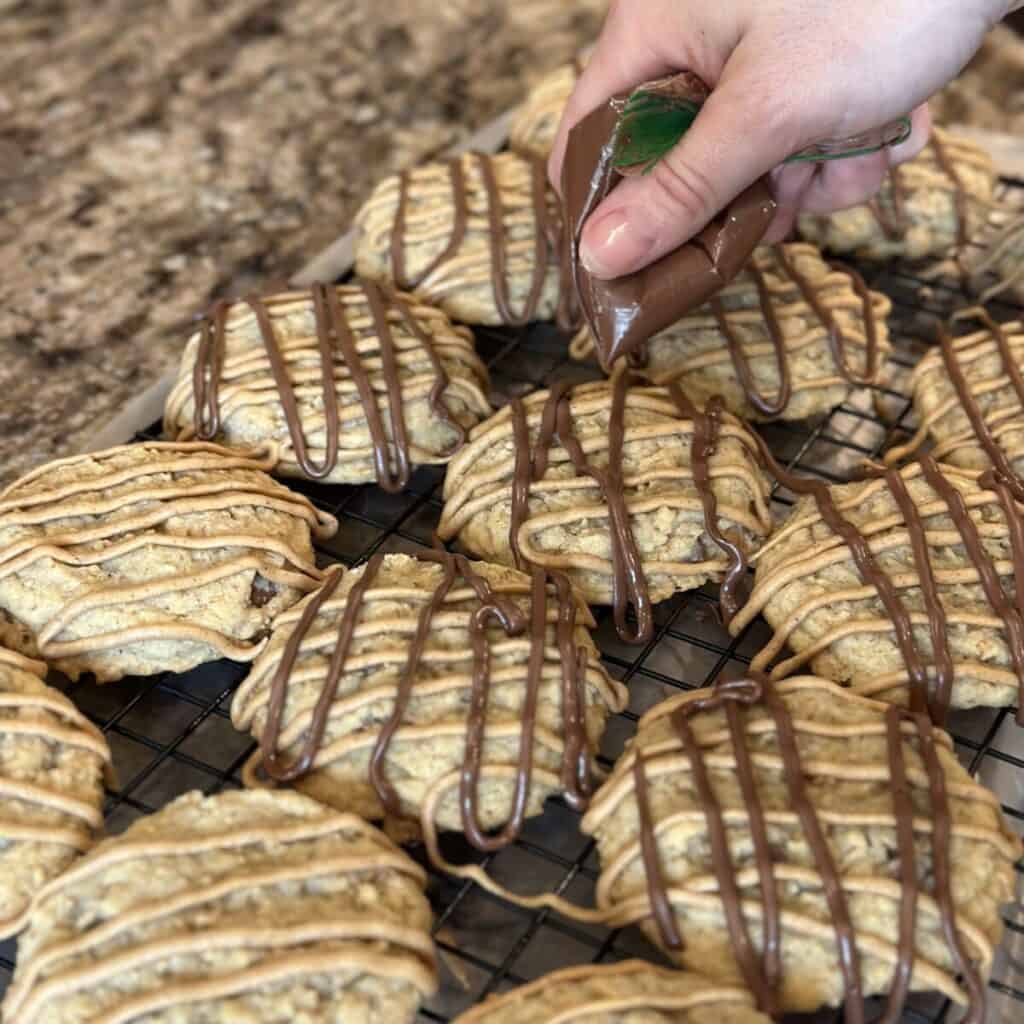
(625,312)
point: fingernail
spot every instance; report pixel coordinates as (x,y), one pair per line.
(612,245)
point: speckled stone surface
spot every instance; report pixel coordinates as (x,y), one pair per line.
(156,154)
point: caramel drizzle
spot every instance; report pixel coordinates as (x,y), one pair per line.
(762,971)
(493,608)
(998,457)
(199,480)
(629,582)
(935,700)
(334,336)
(549,239)
(84,962)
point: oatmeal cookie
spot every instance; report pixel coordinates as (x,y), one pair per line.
(239,907)
(969,399)
(479,235)
(899,587)
(816,846)
(354,384)
(992,266)
(622,993)
(535,124)
(151,557)
(786,339)
(457,694)
(928,205)
(630,490)
(52,762)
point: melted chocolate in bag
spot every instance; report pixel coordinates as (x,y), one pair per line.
(625,312)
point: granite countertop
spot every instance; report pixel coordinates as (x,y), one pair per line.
(158,154)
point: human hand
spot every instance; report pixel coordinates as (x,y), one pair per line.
(785,74)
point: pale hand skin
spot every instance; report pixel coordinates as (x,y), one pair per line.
(785,74)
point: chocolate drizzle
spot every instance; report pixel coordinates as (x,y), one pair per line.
(549,241)
(335,338)
(932,697)
(836,338)
(1003,467)
(460,218)
(207,371)
(943,159)
(629,582)
(491,609)
(903,813)
(762,969)
(1004,608)
(707,429)
(739,360)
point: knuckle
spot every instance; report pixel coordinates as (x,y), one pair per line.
(684,187)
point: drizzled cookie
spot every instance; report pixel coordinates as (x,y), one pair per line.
(815,846)
(969,399)
(992,266)
(454,693)
(52,762)
(628,489)
(904,587)
(237,907)
(786,339)
(535,123)
(936,201)
(353,384)
(151,557)
(621,993)
(479,236)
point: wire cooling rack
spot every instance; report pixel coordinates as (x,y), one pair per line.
(171,733)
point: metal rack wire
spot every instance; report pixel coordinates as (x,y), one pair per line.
(171,733)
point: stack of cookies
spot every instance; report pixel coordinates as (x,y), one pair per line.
(788,841)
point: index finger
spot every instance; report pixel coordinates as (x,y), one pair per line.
(621,60)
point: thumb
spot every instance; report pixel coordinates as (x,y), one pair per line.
(734,140)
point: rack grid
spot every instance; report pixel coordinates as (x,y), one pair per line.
(171,733)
